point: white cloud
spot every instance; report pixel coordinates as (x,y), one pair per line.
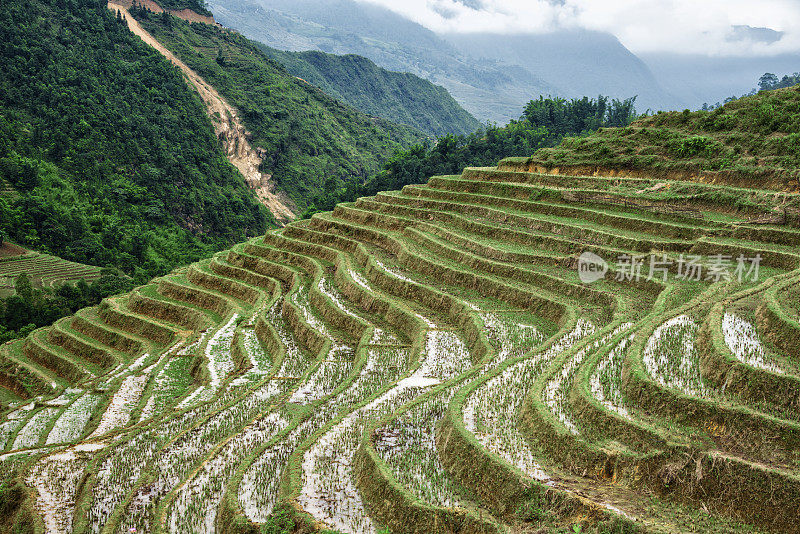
(689,26)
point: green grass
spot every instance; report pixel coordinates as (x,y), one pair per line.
(755,138)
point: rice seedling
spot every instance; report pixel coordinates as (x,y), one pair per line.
(65,398)
(407,442)
(123,370)
(122,404)
(296,360)
(555,394)
(15,420)
(120,471)
(300,299)
(195,507)
(671,358)
(513,336)
(379,336)
(329,492)
(218,353)
(8,429)
(56,479)
(219,363)
(196,344)
(323,381)
(12,462)
(605,382)
(490,408)
(259,357)
(258,491)
(30,434)
(177,460)
(743,341)
(71,424)
(240,405)
(171,382)
(360,280)
(396,273)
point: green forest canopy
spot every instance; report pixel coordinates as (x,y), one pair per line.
(111,156)
(400,97)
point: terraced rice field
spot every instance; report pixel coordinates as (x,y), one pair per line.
(430,360)
(43,269)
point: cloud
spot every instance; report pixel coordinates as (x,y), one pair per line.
(743,32)
(711,27)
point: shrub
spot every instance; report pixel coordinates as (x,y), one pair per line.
(696,145)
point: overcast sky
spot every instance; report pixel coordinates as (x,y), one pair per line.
(714,27)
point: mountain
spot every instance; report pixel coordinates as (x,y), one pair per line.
(577,62)
(108,156)
(399,97)
(491,76)
(307,141)
(484,87)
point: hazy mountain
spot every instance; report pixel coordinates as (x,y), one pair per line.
(577,62)
(696,79)
(492,76)
(484,87)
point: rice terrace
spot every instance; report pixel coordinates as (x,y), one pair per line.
(43,269)
(542,346)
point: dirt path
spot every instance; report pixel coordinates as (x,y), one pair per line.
(227,125)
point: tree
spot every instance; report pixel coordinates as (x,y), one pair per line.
(767,81)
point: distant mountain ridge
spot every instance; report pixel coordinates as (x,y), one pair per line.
(485,88)
(492,76)
(578,62)
(396,96)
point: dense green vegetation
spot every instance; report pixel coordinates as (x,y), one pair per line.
(33,307)
(396,96)
(306,137)
(198,6)
(543,123)
(111,157)
(754,136)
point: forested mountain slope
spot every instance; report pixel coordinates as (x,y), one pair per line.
(397,96)
(308,141)
(110,155)
(228,127)
(491,75)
